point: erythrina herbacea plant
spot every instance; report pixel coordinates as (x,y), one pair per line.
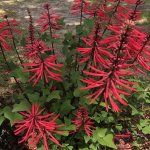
(93,79)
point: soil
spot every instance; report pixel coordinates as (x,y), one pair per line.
(17,9)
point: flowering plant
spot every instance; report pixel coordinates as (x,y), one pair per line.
(85,88)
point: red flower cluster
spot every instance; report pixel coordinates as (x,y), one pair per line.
(114,58)
(36,126)
(49,20)
(83,121)
(35,49)
(6,30)
(80,6)
(41,68)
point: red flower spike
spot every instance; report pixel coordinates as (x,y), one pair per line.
(31,37)
(83,120)
(80,6)
(36,126)
(4,34)
(7,30)
(35,49)
(50,19)
(42,69)
(108,84)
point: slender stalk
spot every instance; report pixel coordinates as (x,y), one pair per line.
(81,13)
(50,30)
(41,58)
(94,44)
(31,28)
(142,48)
(13,39)
(105,29)
(79,40)
(18,84)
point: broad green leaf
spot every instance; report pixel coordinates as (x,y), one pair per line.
(78,92)
(8,113)
(21,106)
(53,95)
(12,65)
(146,130)
(102,104)
(65,133)
(135,111)
(40,148)
(93,147)
(101,132)
(119,127)
(98,134)
(108,141)
(66,107)
(83,149)
(11,116)
(23,76)
(67,147)
(68,126)
(67,121)
(143,122)
(86,138)
(33,97)
(1,120)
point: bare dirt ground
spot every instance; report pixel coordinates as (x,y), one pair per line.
(17,9)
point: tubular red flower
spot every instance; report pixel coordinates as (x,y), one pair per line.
(83,121)
(48,20)
(35,49)
(80,6)
(42,69)
(36,125)
(4,34)
(109,85)
(31,38)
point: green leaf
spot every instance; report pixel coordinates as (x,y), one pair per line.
(98,134)
(135,111)
(23,76)
(21,106)
(119,127)
(12,65)
(66,107)
(67,147)
(78,92)
(86,138)
(53,95)
(1,120)
(146,130)
(108,141)
(8,113)
(34,97)
(101,131)
(12,117)
(40,148)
